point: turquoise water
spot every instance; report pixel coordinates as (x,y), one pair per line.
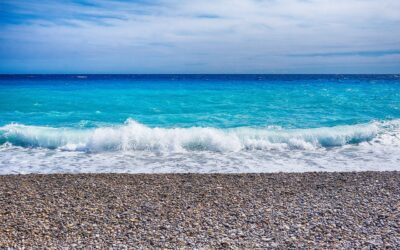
(205,101)
(139,121)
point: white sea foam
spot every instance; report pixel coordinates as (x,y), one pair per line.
(133,136)
(136,148)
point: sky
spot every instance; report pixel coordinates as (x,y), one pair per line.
(200,36)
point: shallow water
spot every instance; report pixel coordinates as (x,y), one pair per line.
(199,123)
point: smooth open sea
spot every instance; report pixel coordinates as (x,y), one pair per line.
(198,123)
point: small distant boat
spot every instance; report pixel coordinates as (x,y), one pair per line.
(81,77)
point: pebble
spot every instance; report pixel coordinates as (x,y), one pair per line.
(201,211)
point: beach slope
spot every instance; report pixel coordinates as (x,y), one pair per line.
(323,210)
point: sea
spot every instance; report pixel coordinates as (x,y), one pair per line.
(198,123)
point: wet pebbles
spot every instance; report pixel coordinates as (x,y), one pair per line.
(310,210)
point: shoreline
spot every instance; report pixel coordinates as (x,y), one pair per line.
(275,210)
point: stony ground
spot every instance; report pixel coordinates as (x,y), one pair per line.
(311,210)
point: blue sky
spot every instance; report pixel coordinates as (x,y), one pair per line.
(200,36)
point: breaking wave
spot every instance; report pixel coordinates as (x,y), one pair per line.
(133,136)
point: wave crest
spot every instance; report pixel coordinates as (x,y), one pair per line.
(135,136)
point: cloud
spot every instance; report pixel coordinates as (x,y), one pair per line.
(372,53)
(200,36)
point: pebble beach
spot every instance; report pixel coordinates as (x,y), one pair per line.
(201,211)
